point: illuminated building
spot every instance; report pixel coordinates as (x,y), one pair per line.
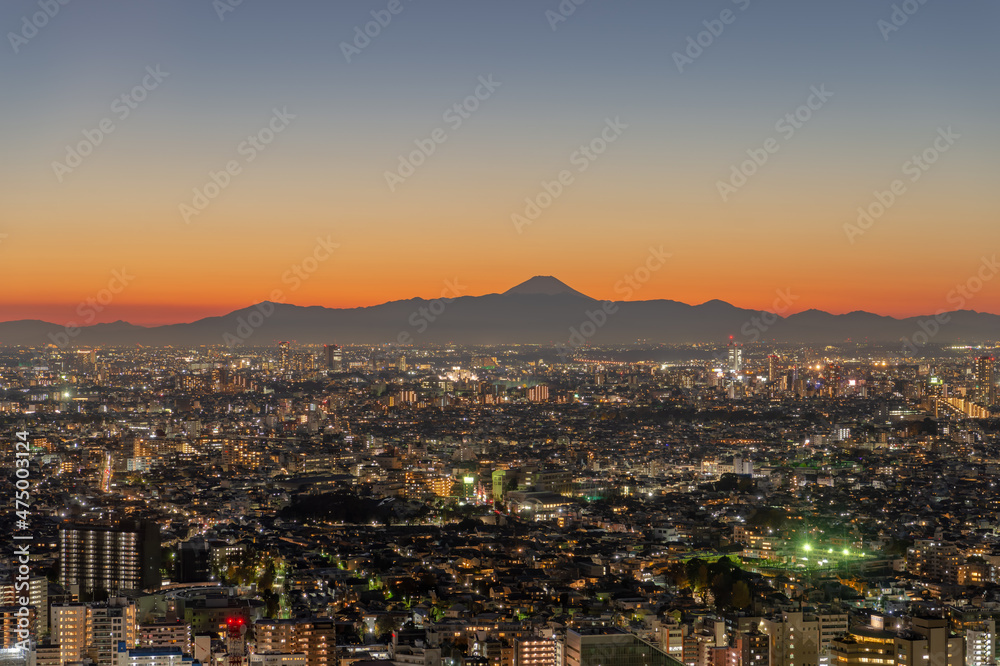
(110,625)
(38,598)
(864,646)
(316,638)
(161,656)
(735,358)
(499,478)
(612,647)
(8,623)
(933,560)
(334,358)
(538,393)
(773,367)
(754,648)
(110,559)
(240,453)
(166,634)
(535,652)
(277,659)
(70,630)
(986,393)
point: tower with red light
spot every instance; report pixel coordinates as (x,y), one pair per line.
(236,640)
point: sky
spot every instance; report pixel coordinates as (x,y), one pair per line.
(168,161)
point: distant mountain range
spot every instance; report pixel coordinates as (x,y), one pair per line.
(542,310)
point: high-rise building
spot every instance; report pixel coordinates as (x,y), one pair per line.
(773,367)
(104,559)
(110,625)
(334,358)
(981,645)
(986,393)
(70,630)
(735,358)
(538,393)
(38,598)
(834,376)
(980,629)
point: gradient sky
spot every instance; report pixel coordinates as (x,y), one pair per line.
(656,186)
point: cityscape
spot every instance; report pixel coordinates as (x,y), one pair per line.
(534,333)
